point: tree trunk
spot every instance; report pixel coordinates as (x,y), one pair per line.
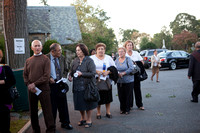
(15,26)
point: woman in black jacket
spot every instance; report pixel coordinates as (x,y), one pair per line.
(7,80)
(82,71)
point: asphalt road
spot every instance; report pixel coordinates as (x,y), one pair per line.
(168,110)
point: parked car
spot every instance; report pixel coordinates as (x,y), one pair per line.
(146,55)
(173,59)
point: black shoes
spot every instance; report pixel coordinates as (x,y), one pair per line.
(81,123)
(67,126)
(194,101)
(109,116)
(127,113)
(87,125)
(98,116)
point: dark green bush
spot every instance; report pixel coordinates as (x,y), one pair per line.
(2,47)
(46,46)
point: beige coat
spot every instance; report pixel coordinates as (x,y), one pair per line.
(153,60)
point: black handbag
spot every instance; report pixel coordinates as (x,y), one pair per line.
(13,92)
(104,85)
(91,92)
(143,76)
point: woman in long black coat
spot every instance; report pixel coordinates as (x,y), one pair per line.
(83,71)
(7,80)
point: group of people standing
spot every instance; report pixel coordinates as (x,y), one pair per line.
(96,68)
(41,72)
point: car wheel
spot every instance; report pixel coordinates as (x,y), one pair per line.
(172,66)
(146,66)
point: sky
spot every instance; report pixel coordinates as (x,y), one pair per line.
(147,16)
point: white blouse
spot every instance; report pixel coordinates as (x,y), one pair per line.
(99,63)
(135,56)
(156,60)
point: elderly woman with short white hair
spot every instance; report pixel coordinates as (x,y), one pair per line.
(125,83)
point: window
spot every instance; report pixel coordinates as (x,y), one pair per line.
(150,53)
(184,54)
(142,53)
(176,54)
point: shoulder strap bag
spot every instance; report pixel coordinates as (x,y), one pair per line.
(14,94)
(136,68)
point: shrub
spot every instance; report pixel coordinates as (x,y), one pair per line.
(2,46)
(46,46)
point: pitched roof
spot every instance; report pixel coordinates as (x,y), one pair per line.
(61,22)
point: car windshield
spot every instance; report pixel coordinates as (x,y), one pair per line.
(150,53)
(164,54)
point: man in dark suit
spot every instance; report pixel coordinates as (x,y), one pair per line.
(58,70)
(194,72)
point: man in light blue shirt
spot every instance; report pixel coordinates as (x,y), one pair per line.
(58,99)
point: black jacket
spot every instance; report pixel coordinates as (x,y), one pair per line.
(194,65)
(9,81)
(87,68)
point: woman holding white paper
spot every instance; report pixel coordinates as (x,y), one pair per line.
(82,71)
(102,62)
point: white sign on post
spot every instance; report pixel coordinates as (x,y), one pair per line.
(19,45)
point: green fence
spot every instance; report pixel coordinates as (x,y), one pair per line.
(20,104)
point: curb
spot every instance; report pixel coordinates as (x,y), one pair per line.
(28,124)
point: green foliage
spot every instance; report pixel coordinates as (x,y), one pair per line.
(148,95)
(127,34)
(92,22)
(44,2)
(173,96)
(187,22)
(164,34)
(46,46)
(2,46)
(71,47)
(144,41)
(31,51)
(149,45)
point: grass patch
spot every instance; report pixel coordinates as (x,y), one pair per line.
(159,113)
(148,95)
(173,96)
(17,122)
(16,125)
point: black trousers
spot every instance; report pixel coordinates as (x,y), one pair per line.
(4,119)
(196,89)
(124,94)
(59,103)
(45,101)
(138,94)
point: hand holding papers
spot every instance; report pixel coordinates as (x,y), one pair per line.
(38,91)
